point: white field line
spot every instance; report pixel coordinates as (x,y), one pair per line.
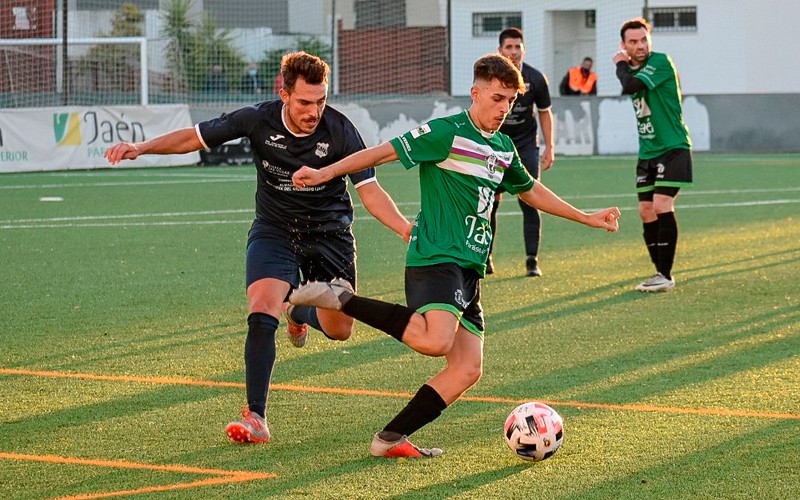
(129,183)
(86,221)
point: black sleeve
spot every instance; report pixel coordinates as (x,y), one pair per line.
(563,87)
(630,84)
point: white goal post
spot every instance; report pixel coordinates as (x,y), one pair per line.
(20,43)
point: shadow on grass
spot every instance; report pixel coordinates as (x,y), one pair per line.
(673,345)
(743,466)
(462,484)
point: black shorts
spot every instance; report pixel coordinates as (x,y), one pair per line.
(447,287)
(291,256)
(672,170)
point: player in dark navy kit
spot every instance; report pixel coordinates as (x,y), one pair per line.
(521,126)
(298,233)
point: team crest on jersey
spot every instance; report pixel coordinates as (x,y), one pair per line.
(322,149)
(421,130)
(491,163)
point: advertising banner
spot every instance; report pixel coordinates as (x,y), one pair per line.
(38,139)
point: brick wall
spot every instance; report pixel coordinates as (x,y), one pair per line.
(393,61)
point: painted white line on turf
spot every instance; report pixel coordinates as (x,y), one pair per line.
(124,183)
(128,216)
(73,222)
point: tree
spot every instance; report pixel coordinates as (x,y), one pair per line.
(271,64)
(116,67)
(195,47)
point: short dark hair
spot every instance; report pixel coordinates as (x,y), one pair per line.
(587,58)
(499,67)
(510,33)
(303,65)
(633,24)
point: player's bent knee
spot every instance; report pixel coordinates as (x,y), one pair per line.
(339,335)
(472,375)
(435,346)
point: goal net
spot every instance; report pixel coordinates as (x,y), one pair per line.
(211,52)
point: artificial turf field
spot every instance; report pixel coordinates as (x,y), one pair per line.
(122,317)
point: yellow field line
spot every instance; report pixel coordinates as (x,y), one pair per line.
(367,392)
(226,476)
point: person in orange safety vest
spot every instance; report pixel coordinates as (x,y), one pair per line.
(580,80)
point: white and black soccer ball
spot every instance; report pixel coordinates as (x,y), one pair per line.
(534,431)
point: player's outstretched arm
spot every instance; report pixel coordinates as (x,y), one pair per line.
(370,157)
(382,207)
(542,198)
(179,141)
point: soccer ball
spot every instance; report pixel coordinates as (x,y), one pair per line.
(534,431)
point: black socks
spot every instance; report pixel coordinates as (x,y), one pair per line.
(667,241)
(259,358)
(650,235)
(661,238)
(306,315)
(424,408)
(386,317)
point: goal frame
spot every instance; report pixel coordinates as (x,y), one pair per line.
(144,96)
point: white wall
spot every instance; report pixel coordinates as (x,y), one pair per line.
(538,24)
(740,47)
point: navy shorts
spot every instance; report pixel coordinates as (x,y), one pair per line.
(295,257)
(668,173)
(447,287)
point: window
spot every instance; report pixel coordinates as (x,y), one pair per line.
(589,19)
(371,14)
(492,23)
(673,18)
(22,19)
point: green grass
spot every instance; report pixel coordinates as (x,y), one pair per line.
(137,277)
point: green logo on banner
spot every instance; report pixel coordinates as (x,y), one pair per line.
(66,127)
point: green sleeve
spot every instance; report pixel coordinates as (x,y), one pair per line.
(430,142)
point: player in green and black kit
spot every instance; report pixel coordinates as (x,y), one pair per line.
(665,158)
(462,161)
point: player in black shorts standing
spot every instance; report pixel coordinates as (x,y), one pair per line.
(298,233)
(521,126)
(665,158)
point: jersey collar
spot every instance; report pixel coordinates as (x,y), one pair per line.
(283,119)
(485,134)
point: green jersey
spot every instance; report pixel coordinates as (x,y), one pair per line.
(658,108)
(460,168)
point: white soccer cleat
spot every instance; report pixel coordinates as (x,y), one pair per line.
(656,283)
(324,294)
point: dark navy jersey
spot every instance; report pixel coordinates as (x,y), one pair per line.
(279,153)
(520,124)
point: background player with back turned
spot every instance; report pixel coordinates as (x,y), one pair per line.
(297,233)
(665,158)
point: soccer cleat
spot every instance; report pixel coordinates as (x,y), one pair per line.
(298,334)
(532,267)
(250,429)
(656,283)
(400,448)
(533,272)
(324,294)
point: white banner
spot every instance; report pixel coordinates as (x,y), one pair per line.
(72,138)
